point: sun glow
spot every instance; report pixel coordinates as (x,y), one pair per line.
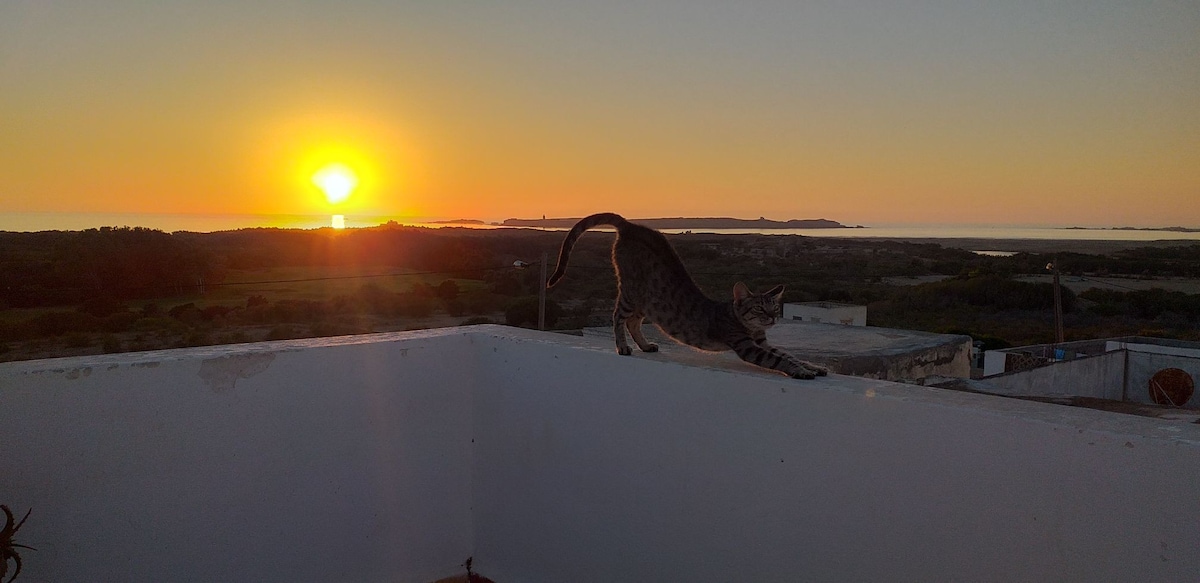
(337,181)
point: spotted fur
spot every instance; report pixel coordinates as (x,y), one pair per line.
(652,283)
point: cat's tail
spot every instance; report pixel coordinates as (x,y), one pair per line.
(583,225)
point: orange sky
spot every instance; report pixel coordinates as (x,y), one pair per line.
(921,112)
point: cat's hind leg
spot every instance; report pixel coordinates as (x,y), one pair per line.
(622,312)
(634,324)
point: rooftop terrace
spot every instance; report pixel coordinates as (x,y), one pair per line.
(548,458)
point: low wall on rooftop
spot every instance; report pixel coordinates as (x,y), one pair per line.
(290,461)
(549,458)
(1098,377)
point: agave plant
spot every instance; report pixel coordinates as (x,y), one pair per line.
(8,548)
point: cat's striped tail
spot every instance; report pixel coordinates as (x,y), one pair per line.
(583,225)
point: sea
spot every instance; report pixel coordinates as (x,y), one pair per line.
(203,223)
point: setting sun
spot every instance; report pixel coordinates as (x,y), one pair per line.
(337,181)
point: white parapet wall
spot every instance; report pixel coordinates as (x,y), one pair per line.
(329,460)
(1098,377)
(549,458)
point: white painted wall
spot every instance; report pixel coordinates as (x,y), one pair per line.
(596,467)
(1151,348)
(1143,366)
(356,463)
(826,313)
(993,362)
(295,461)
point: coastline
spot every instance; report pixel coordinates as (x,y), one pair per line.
(1086,246)
(692,223)
(969,237)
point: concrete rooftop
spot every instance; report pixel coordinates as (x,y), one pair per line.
(855,350)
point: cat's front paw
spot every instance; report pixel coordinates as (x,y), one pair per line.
(803,375)
(624,350)
(652,347)
(820,370)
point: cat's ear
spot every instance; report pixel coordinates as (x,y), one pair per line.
(740,292)
(775,293)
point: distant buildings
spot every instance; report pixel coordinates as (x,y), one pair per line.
(1131,369)
(826,313)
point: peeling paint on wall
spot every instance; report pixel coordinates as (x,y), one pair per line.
(78,372)
(221,374)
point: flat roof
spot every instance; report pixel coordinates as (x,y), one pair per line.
(810,340)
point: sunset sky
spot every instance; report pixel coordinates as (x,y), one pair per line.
(1064,113)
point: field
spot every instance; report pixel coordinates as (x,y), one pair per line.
(314,283)
(114,290)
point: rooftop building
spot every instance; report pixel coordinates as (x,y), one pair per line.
(826,313)
(866,351)
(549,458)
(1133,369)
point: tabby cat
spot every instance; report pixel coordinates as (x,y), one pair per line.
(653,283)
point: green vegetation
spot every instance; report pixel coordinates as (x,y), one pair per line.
(120,289)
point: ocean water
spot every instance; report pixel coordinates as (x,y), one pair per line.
(26,222)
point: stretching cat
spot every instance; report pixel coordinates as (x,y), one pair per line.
(653,283)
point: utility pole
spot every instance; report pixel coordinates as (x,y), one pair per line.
(542,295)
(1058,314)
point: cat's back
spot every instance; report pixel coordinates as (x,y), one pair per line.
(644,253)
(648,244)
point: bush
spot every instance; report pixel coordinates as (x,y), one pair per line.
(480,302)
(110,344)
(524,312)
(59,323)
(196,338)
(237,337)
(414,306)
(447,290)
(423,290)
(284,332)
(119,322)
(102,306)
(340,328)
(297,311)
(17,331)
(187,313)
(158,324)
(456,308)
(211,313)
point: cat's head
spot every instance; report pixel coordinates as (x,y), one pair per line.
(757,311)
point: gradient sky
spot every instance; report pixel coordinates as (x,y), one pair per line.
(1013,112)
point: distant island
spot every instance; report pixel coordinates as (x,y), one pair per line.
(1170,229)
(760,223)
(459,222)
